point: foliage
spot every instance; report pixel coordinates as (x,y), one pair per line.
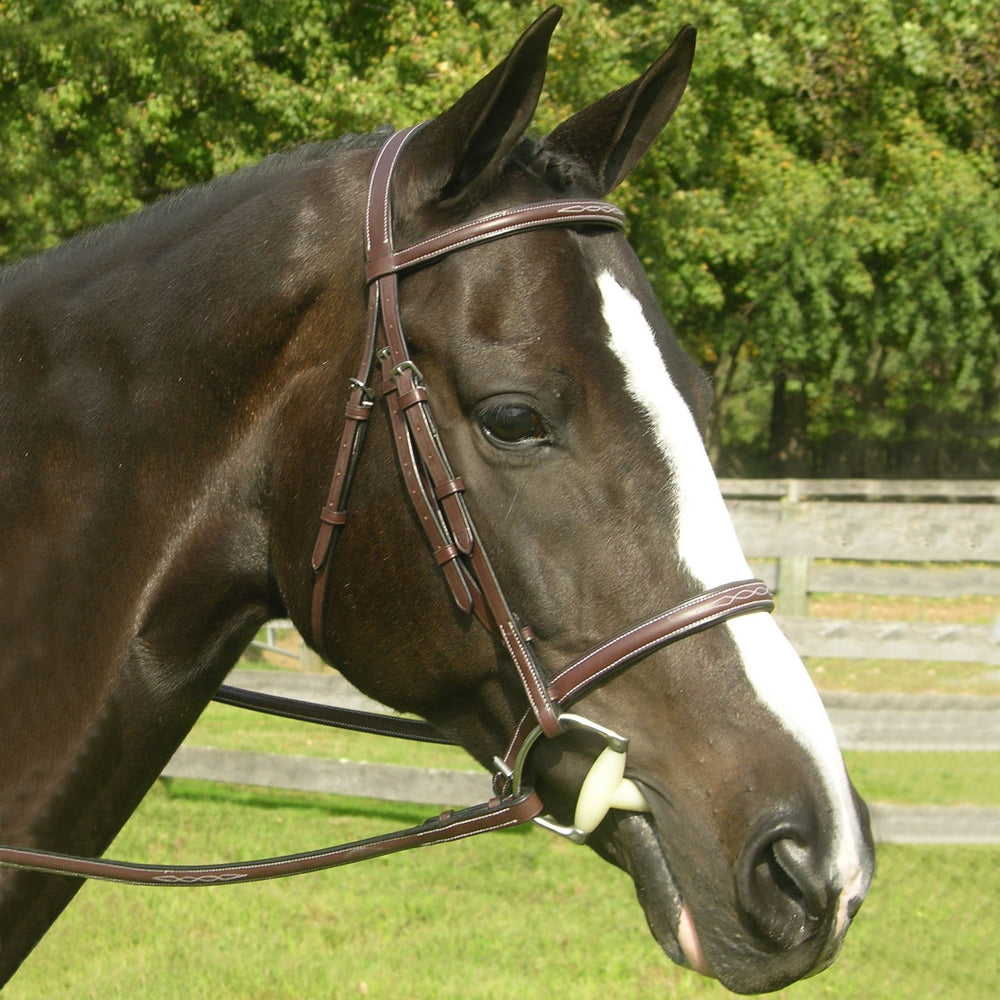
(833,232)
(821,221)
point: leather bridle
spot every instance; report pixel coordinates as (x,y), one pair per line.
(437,495)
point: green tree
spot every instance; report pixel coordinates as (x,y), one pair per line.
(106,105)
(823,224)
(821,220)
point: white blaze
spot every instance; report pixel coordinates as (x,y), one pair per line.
(708,546)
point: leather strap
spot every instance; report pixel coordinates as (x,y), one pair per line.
(386,261)
(696,615)
(375,723)
(496,814)
(352,438)
(434,490)
(608,658)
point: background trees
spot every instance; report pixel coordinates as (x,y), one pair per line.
(821,221)
(841,204)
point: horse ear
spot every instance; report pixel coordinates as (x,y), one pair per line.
(458,154)
(612,135)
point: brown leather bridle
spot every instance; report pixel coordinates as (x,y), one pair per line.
(437,497)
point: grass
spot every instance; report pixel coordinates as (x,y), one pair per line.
(972,609)
(518,914)
(903,676)
(945,778)
(906,676)
(235,729)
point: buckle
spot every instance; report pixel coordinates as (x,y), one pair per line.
(384,354)
(404,366)
(367,394)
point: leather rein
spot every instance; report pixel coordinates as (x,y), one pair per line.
(437,496)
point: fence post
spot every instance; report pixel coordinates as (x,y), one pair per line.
(793,570)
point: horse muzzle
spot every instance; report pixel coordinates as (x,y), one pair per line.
(777,915)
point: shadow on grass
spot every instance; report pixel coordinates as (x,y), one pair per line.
(213,792)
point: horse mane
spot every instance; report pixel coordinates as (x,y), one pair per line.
(180,210)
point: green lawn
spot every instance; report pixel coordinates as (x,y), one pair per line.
(236,729)
(519,914)
(946,778)
(903,676)
(906,676)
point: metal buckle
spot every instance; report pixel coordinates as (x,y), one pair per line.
(385,353)
(367,394)
(605,786)
(418,378)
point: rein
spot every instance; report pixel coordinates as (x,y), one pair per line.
(437,495)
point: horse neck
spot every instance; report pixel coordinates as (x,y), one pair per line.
(136,501)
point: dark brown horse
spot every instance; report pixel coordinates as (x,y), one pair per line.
(172,393)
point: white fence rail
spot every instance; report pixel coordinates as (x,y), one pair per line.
(880,722)
(803,537)
(802,543)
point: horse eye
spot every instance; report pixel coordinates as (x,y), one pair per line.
(512,423)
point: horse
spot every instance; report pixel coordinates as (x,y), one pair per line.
(178,393)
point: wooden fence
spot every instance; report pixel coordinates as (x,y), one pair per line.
(880,722)
(828,536)
(803,537)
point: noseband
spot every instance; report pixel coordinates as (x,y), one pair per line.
(437,495)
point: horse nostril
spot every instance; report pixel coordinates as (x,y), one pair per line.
(799,866)
(783,889)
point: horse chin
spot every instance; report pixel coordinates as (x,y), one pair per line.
(631,842)
(634,845)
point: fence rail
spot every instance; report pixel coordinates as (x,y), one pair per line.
(847,638)
(891,532)
(801,547)
(941,539)
(396,783)
(879,722)
(867,489)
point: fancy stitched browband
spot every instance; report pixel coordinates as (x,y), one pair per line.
(437,495)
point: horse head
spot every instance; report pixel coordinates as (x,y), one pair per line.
(174,392)
(572,416)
